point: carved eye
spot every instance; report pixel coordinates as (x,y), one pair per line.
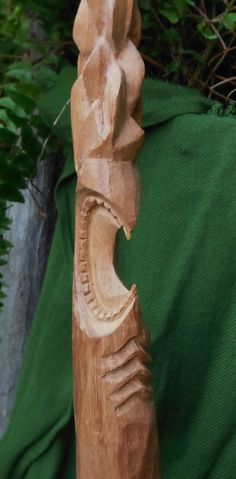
(104,293)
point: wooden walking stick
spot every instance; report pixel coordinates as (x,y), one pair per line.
(113,400)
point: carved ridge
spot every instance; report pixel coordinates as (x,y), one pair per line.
(121,357)
(135,389)
(126,374)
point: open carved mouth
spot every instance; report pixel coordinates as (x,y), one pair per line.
(104,293)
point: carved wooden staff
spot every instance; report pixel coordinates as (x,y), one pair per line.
(113,400)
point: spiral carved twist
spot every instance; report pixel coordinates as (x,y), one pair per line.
(110,76)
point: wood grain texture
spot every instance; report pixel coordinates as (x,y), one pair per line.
(113,399)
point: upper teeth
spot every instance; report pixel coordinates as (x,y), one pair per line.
(89,295)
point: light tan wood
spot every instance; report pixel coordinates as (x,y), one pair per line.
(113,399)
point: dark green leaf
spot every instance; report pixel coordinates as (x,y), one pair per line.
(18,120)
(46,77)
(7,137)
(2,262)
(6,245)
(10,193)
(30,89)
(181,7)
(206,31)
(21,99)
(18,74)
(6,121)
(229,21)
(25,164)
(20,71)
(30,142)
(170,13)
(4,221)
(9,104)
(9,174)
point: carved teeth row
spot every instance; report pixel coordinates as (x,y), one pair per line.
(83,234)
(83,244)
(82,256)
(84,278)
(86,289)
(83,265)
(89,203)
(90,298)
(89,295)
(101,314)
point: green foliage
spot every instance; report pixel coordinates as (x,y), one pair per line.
(33,38)
(192,43)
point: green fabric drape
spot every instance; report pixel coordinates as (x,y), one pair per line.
(183,259)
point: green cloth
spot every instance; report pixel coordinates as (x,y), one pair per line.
(183,259)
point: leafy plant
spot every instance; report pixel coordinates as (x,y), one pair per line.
(34,39)
(192,43)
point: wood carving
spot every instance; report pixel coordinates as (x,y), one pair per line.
(113,400)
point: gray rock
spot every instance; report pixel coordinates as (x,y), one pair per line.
(30,233)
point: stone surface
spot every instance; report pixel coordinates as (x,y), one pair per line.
(30,234)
